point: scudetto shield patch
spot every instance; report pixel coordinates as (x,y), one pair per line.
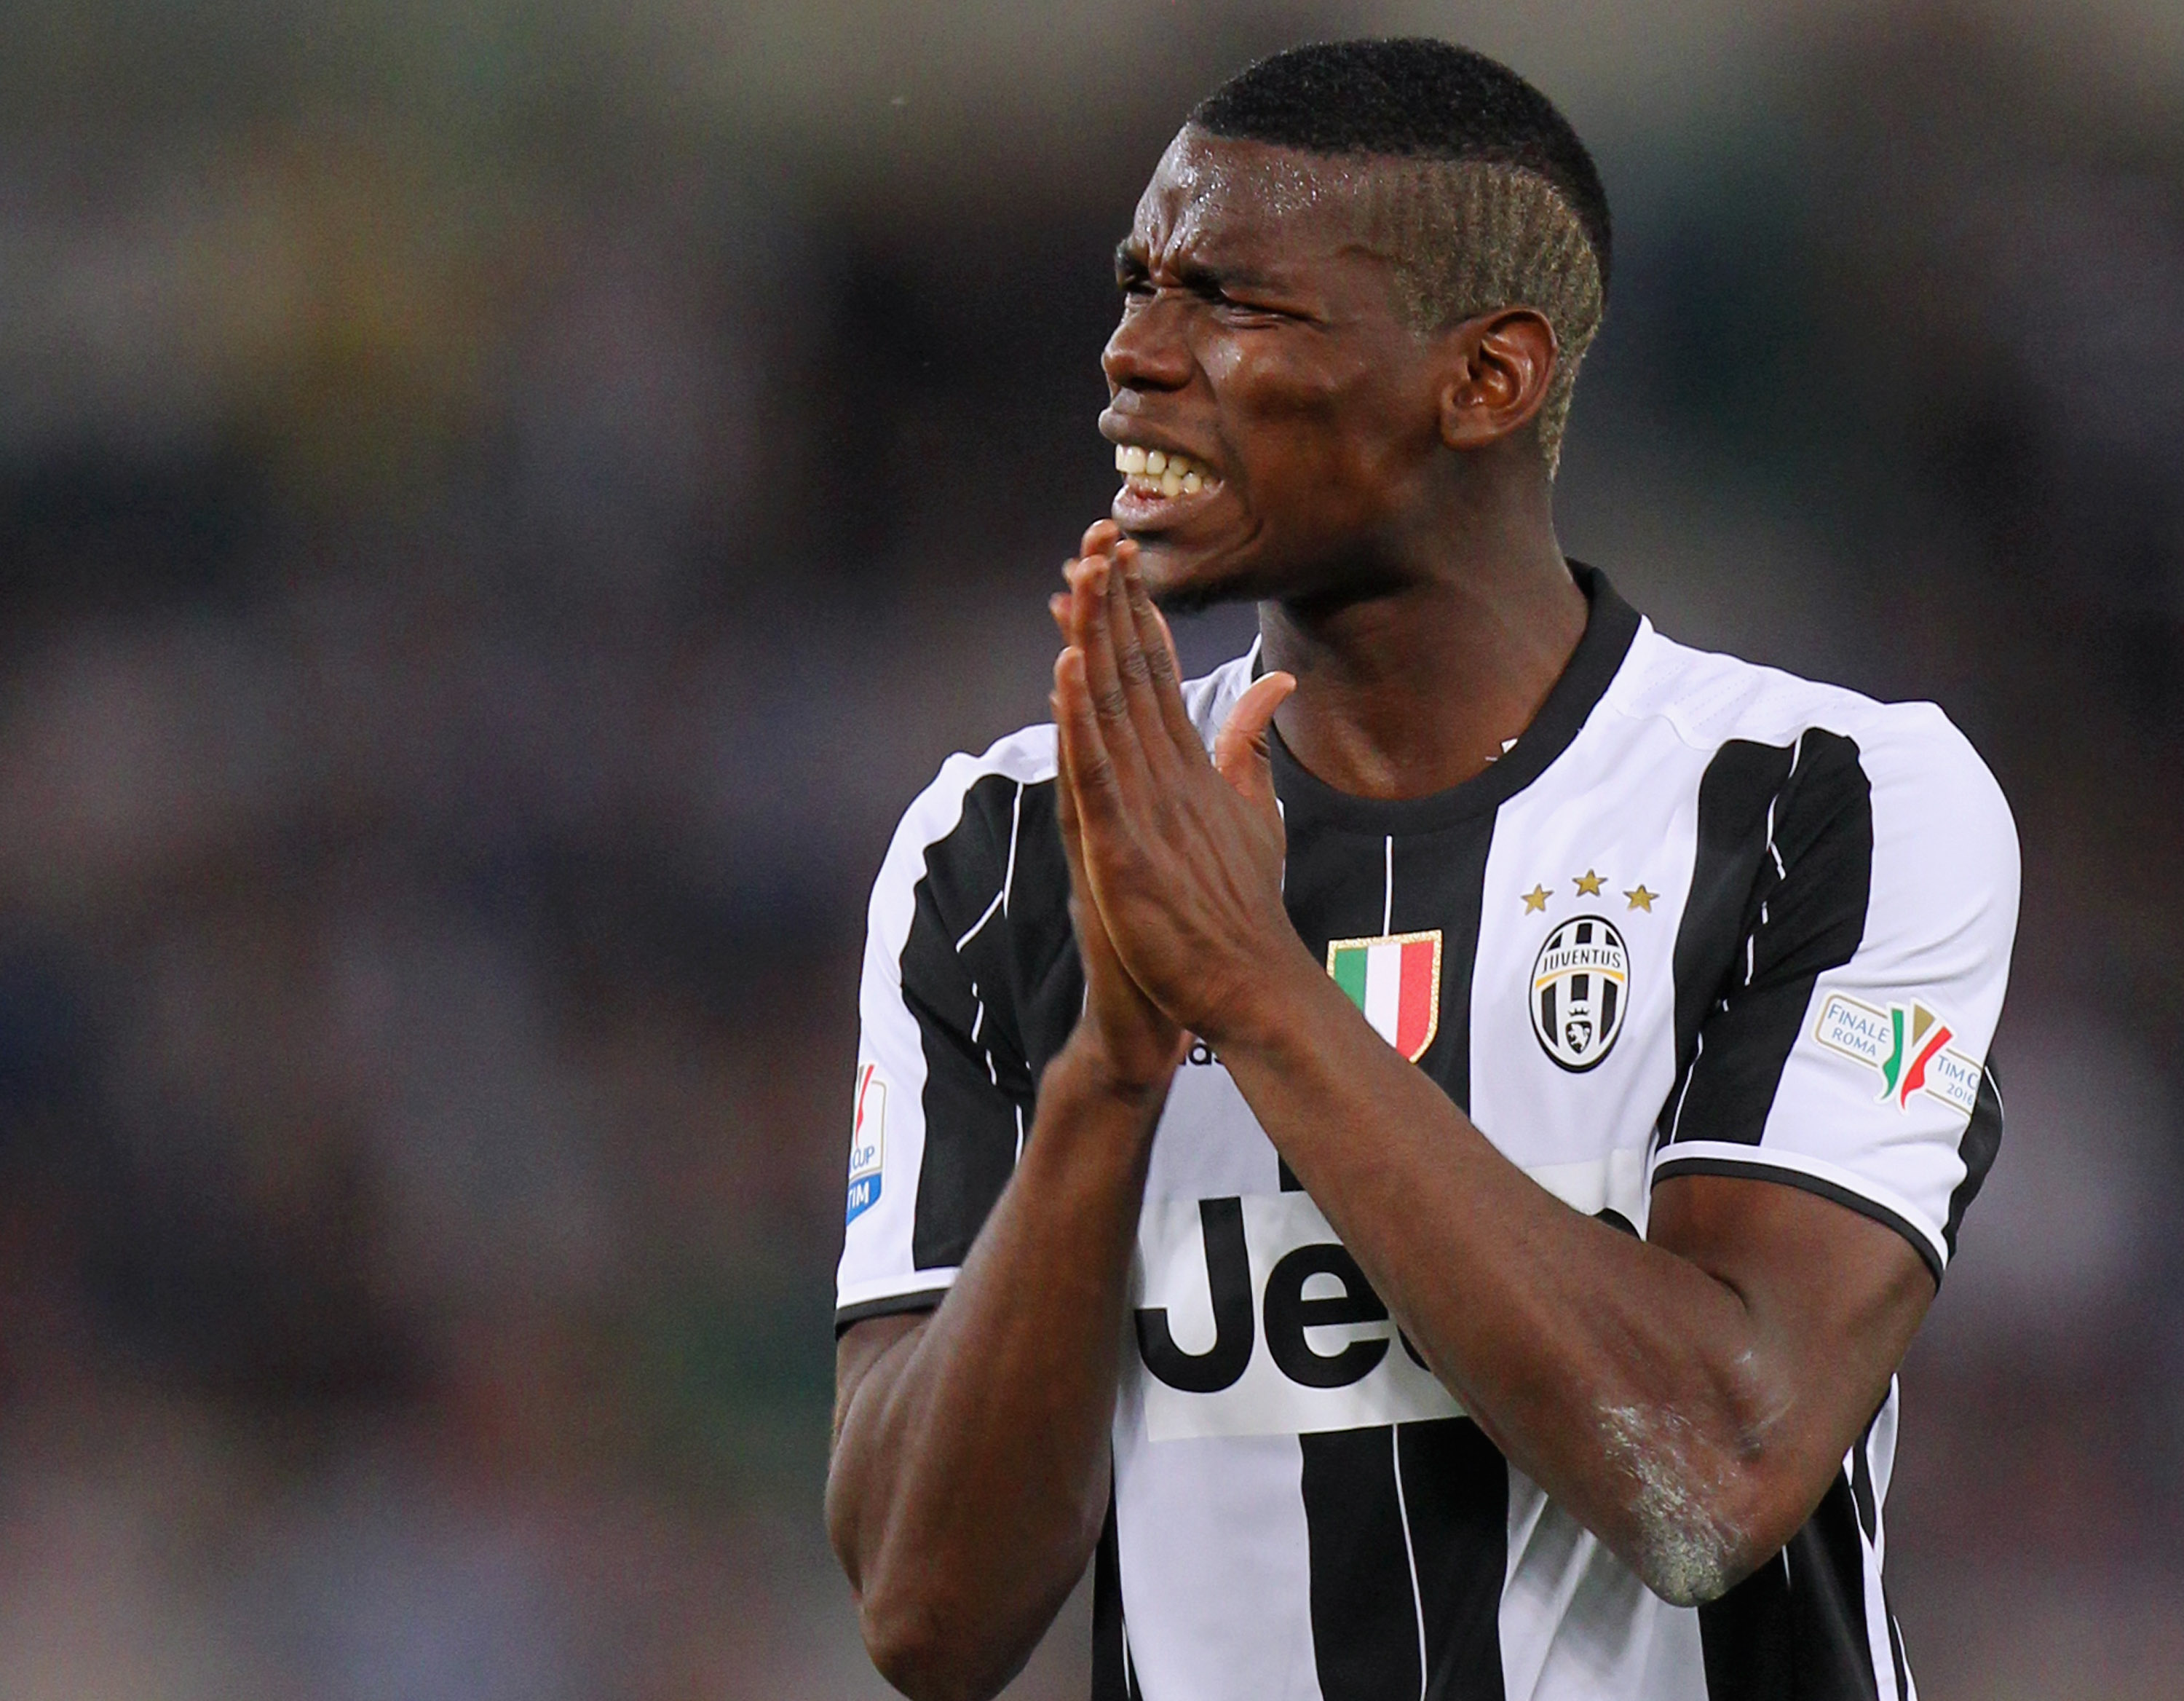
(1394,979)
(1580,990)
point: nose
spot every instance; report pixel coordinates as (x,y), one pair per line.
(1149,349)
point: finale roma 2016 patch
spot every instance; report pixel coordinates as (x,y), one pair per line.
(1394,979)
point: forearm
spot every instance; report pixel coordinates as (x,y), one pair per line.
(969,1473)
(1631,1383)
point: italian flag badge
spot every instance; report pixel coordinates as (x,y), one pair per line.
(1395,980)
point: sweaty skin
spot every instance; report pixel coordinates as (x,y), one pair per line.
(1383,494)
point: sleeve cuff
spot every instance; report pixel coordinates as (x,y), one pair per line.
(887,1305)
(1752,1163)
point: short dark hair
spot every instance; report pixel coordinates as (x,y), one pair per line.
(1412,96)
(1527,207)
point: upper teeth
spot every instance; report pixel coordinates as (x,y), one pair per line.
(1176,475)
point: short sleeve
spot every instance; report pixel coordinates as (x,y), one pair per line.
(1845,1050)
(941,1096)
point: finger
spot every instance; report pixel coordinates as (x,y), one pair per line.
(1156,754)
(1083,746)
(1240,751)
(1100,539)
(1158,644)
(1094,639)
(1065,788)
(1167,636)
(1058,605)
(1064,810)
(1133,667)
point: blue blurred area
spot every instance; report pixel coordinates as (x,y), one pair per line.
(501,506)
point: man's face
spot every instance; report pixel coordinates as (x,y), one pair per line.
(1263,343)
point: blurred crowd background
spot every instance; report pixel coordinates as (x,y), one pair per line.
(503,501)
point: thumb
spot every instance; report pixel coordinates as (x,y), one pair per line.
(1239,753)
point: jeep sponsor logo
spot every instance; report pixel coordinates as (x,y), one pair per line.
(1252,1318)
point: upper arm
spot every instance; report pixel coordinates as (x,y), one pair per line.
(1843,1052)
(1836,1115)
(942,1091)
(1833,1298)
(863,1348)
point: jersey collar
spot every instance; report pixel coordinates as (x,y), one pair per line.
(1610,626)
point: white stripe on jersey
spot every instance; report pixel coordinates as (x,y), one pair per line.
(1180,1505)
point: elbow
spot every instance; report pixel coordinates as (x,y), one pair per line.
(1696,1543)
(1698,1550)
(1699,1522)
(1686,1573)
(924,1650)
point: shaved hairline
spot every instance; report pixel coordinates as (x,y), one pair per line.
(1464,237)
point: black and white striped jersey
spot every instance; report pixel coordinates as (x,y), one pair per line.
(1702,917)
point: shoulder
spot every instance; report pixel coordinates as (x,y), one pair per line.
(1916,763)
(963,789)
(962,819)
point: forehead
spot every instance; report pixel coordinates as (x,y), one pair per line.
(1213,197)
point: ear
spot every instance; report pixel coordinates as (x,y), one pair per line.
(1499,368)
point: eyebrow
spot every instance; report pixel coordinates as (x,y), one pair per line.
(1131,267)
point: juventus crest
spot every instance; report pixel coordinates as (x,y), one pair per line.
(1581,989)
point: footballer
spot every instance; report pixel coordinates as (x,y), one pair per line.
(1416,1156)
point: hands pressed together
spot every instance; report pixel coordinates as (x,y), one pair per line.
(1175,859)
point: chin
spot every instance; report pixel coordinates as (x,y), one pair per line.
(1182,580)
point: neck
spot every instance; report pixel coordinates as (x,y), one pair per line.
(1418,687)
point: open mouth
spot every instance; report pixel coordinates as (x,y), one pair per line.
(1152,475)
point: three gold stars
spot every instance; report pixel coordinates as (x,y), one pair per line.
(1589,884)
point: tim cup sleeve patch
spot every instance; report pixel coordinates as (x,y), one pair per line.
(867,1141)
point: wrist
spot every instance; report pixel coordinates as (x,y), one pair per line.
(1262,1010)
(1133,1077)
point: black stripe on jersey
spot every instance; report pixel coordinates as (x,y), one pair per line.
(1049,975)
(1982,1140)
(1441,881)
(1791,861)
(1861,1484)
(1869,1519)
(977,1083)
(1738,783)
(1364,1616)
(1110,1660)
(1795,1629)
(1412,1563)
(1416,1561)
(1455,1489)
